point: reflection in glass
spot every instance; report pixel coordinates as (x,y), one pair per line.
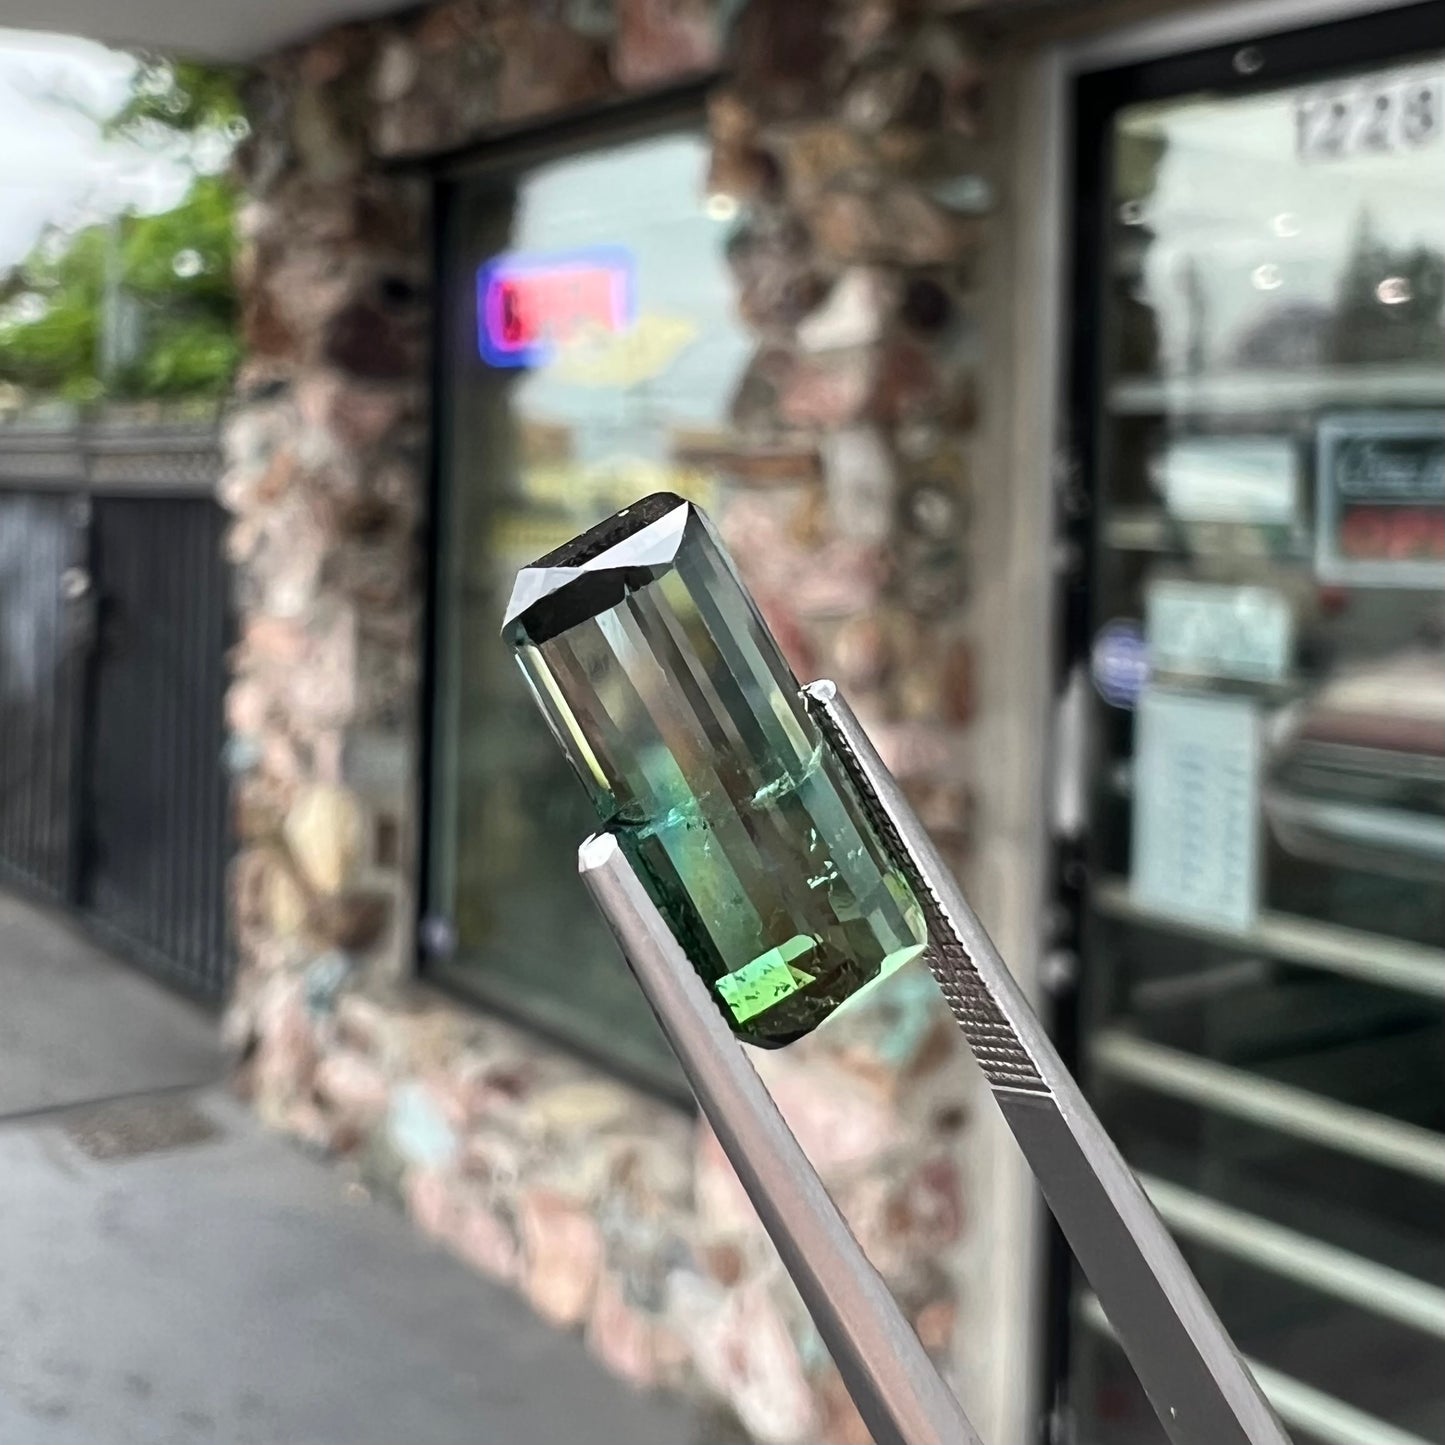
(1265,997)
(591,355)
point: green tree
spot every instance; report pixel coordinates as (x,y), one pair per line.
(139,305)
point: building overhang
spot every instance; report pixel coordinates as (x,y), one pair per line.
(205,31)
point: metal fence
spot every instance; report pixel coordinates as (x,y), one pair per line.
(114,619)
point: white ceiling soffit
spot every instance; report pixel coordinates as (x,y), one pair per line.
(235,30)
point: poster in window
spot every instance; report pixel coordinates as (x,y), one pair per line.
(1195,853)
(1206,629)
(1380,499)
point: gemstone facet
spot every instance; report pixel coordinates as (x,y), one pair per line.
(674,706)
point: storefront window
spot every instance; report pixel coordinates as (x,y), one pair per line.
(1264,942)
(590,352)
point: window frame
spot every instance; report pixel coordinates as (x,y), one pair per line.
(510,153)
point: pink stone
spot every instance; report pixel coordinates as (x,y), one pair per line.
(353,1085)
(296,296)
(279,756)
(865,1205)
(672,1360)
(365,1025)
(356,414)
(247,703)
(306,1122)
(924,233)
(324,692)
(860,475)
(361,416)
(662,40)
(928,1210)
(917,749)
(485,1241)
(431,1202)
(748,1355)
(652,1169)
(287,1052)
(841,1122)
(730,119)
(935,1324)
(860,653)
(842,1424)
(620,1336)
(866,23)
(723,1206)
(791,637)
(498,1087)
(281,640)
(492,1157)
(839,580)
(829,392)
(849,224)
(326,59)
(957,685)
(546,66)
(754,526)
(563,1251)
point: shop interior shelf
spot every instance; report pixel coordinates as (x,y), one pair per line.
(1242,1094)
(1389,962)
(1253,392)
(1325,1268)
(1151,529)
(1300,1406)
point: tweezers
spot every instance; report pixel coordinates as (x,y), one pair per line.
(1194,1377)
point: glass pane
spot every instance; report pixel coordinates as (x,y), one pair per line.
(1265,948)
(592,357)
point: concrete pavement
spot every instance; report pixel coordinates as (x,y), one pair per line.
(75,1025)
(171,1273)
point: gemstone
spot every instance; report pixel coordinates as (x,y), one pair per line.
(678,712)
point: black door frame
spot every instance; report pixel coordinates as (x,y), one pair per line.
(1253,61)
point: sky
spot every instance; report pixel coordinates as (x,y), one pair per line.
(55,166)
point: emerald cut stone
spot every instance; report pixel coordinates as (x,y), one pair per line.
(676,709)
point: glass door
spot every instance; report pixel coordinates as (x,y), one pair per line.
(1260,892)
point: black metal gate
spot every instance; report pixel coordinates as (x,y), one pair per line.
(113,628)
(40,677)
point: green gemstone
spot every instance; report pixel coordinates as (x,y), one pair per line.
(677,711)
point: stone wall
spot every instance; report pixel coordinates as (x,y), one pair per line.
(850,134)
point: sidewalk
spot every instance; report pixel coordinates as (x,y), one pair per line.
(169,1272)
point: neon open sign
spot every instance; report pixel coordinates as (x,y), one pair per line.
(530,303)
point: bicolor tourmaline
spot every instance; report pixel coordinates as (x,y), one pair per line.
(679,714)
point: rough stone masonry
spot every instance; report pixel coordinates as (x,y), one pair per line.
(851,134)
